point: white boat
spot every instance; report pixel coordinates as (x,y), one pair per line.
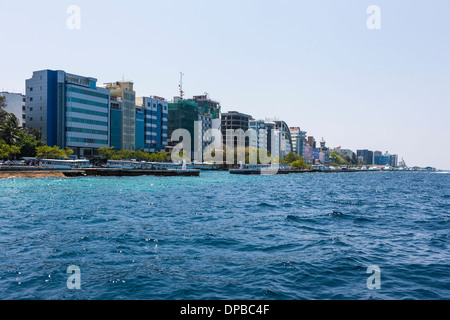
(64,164)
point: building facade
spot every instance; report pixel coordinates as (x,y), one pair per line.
(259,135)
(124,90)
(116,118)
(231,122)
(15,104)
(140,129)
(69,111)
(298,141)
(366,156)
(182,114)
(156,110)
(279,135)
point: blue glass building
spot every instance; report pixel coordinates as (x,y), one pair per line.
(69,111)
(155,111)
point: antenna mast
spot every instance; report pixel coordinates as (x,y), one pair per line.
(181,85)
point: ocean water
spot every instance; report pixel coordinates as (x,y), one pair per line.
(222,236)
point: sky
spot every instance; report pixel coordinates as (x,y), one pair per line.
(314,64)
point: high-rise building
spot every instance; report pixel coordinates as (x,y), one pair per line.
(69,111)
(382,160)
(209,114)
(259,136)
(366,156)
(15,104)
(386,159)
(298,141)
(140,129)
(233,121)
(156,111)
(124,90)
(279,138)
(182,114)
(116,116)
(394,160)
(311,141)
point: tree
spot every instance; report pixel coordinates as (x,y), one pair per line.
(8,152)
(106,153)
(34,133)
(291,157)
(3,105)
(9,129)
(28,144)
(337,159)
(300,164)
(68,151)
(46,152)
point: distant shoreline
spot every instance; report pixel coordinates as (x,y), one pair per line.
(54,173)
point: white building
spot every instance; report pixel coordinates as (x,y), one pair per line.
(298,141)
(258,138)
(15,104)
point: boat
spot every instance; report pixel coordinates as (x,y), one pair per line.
(143,165)
(64,164)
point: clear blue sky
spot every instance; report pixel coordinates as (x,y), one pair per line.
(314,64)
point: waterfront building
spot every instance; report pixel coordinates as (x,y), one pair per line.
(366,156)
(182,115)
(259,135)
(298,141)
(15,104)
(316,154)
(394,161)
(282,137)
(197,115)
(156,110)
(234,120)
(69,110)
(311,141)
(209,114)
(116,117)
(309,154)
(382,160)
(140,129)
(124,91)
(324,153)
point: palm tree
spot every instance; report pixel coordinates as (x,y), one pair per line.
(3,113)
(9,129)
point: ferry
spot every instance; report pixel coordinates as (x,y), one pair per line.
(204,166)
(133,165)
(260,169)
(64,164)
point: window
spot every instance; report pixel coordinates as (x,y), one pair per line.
(31,88)
(31,99)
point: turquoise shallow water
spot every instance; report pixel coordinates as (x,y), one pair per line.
(220,236)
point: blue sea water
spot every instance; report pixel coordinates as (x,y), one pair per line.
(222,236)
